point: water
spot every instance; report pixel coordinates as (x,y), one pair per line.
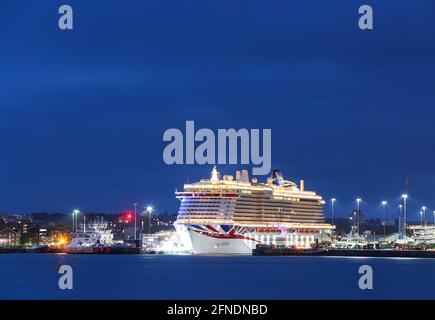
(34,276)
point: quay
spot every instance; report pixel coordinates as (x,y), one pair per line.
(386,253)
(84,250)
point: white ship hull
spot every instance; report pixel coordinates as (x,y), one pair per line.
(214,243)
(213,239)
(203,244)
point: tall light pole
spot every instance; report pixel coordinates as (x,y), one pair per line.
(400,219)
(358,201)
(434,219)
(75,216)
(384,205)
(84,224)
(332,209)
(421,218)
(332,216)
(135,214)
(149,210)
(405,197)
(73,221)
(424,214)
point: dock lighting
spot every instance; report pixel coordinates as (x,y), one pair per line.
(404,196)
(135,214)
(150,211)
(421,218)
(358,201)
(75,213)
(384,205)
(424,213)
(332,209)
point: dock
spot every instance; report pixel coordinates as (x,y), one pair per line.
(386,253)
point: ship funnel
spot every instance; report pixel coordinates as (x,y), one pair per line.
(245,176)
(302,185)
(214,174)
(238,175)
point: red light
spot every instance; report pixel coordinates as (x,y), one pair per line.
(128,216)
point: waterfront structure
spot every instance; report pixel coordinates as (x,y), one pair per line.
(423,233)
(91,234)
(227,215)
(9,237)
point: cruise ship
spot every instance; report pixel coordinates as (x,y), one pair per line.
(227,215)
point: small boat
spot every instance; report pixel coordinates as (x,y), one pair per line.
(37,249)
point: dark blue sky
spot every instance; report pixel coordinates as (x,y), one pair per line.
(82,112)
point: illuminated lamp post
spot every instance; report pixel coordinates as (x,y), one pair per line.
(421,218)
(150,211)
(358,201)
(75,221)
(135,214)
(332,215)
(404,197)
(384,205)
(424,215)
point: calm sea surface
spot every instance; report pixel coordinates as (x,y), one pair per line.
(34,276)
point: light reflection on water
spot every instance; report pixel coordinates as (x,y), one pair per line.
(34,276)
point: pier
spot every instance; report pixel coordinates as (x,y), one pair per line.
(385,253)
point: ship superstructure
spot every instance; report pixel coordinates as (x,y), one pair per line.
(227,215)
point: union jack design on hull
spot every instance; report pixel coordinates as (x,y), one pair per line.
(221,239)
(224,231)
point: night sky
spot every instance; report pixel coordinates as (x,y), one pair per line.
(82,112)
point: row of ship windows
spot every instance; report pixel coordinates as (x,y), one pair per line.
(256,216)
(254,210)
(255,199)
(249,205)
(253,202)
(264,220)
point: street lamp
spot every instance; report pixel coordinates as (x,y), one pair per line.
(72,228)
(332,209)
(405,197)
(424,214)
(384,205)
(75,214)
(332,214)
(421,218)
(400,219)
(358,201)
(135,214)
(149,210)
